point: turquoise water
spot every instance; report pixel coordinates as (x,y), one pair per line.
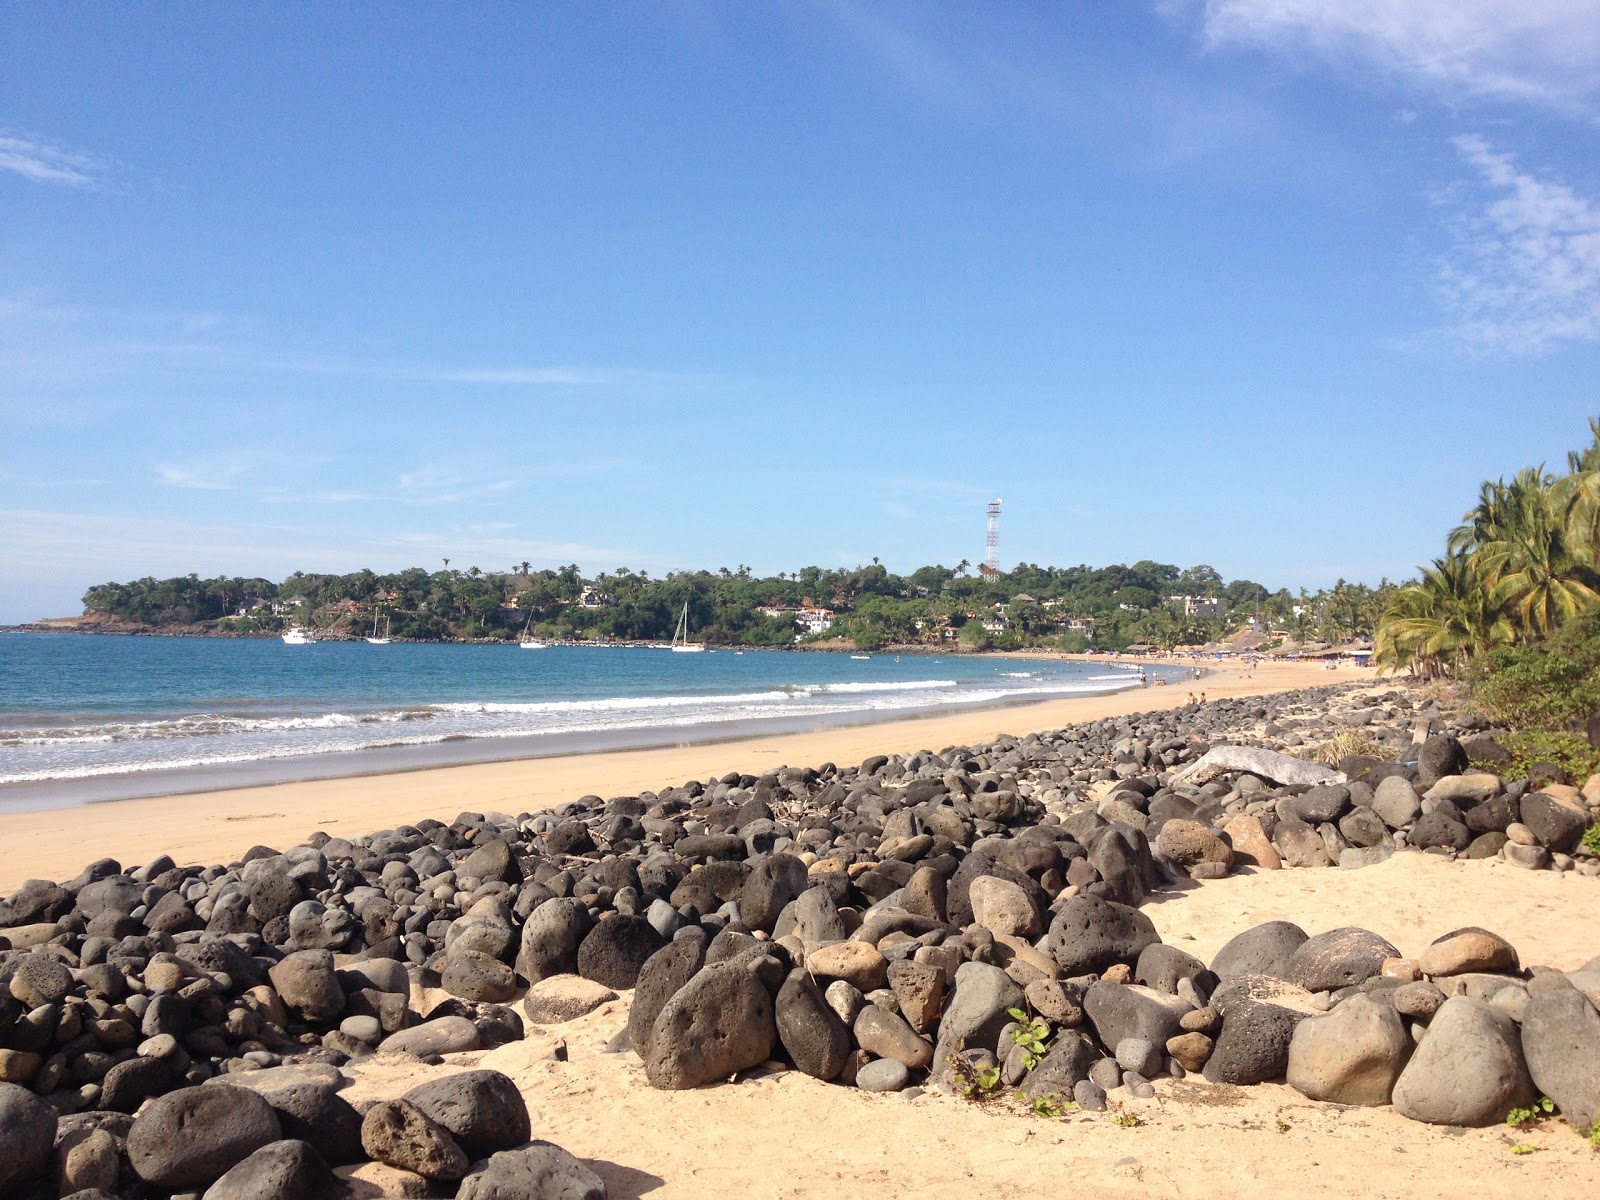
(77,706)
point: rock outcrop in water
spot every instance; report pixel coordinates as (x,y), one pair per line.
(880,926)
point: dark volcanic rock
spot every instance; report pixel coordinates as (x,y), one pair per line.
(616,949)
(1264,949)
(189,1138)
(1339,958)
(1090,934)
(532,1172)
(663,973)
(1259,1015)
(774,882)
(27,1133)
(1440,755)
(720,1023)
(287,1170)
(811,1032)
(482,1110)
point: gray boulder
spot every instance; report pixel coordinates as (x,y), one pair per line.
(976,1012)
(1089,935)
(721,1022)
(1126,1010)
(1396,801)
(1561,1041)
(1063,1067)
(286,1170)
(482,1110)
(27,1135)
(477,977)
(1339,958)
(190,1138)
(1259,1015)
(536,1171)
(1266,949)
(551,937)
(1468,1069)
(816,1039)
(442,1035)
(1352,1055)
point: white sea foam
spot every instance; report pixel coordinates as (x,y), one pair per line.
(124,745)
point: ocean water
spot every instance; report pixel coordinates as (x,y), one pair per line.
(78,707)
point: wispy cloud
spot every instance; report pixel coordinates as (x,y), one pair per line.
(434,484)
(1541,51)
(210,475)
(43,163)
(1524,273)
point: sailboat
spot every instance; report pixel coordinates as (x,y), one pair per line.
(680,639)
(527,641)
(375,639)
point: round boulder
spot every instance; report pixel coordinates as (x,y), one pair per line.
(27,1136)
(1352,1055)
(189,1138)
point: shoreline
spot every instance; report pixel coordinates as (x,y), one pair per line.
(220,825)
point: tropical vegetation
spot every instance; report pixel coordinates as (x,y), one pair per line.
(1512,612)
(1071,608)
(1524,561)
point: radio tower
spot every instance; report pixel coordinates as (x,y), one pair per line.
(991,555)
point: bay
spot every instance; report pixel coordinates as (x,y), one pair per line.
(120,710)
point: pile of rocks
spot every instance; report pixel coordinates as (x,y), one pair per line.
(287,1134)
(866,910)
(1458,1037)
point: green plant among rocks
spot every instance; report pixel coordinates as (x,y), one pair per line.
(1591,839)
(1032,1034)
(1049,1106)
(970,1082)
(1538,1110)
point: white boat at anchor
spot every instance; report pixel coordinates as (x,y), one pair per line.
(298,636)
(375,640)
(680,639)
(527,641)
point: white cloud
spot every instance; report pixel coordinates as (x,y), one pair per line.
(213,477)
(1542,51)
(1525,271)
(45,164)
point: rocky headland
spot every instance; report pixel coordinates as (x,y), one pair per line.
(968,921)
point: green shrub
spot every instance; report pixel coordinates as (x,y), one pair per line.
(1571,753)
(1551,685)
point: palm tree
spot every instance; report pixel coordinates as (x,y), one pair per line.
(1520,547)
(1434,625)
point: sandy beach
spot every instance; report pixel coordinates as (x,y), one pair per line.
(213,827)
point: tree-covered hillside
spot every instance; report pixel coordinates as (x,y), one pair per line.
(1072,607)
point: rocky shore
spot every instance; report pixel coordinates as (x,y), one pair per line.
(966,921)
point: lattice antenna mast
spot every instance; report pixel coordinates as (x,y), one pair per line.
(991,555)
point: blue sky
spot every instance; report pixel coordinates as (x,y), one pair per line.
(1268,284)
